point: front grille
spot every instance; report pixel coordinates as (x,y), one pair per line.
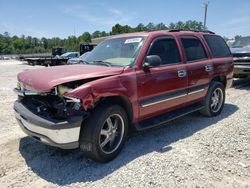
(240,63)
(241,55)
(241,60)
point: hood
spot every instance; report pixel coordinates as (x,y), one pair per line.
(240,50)
(44,79)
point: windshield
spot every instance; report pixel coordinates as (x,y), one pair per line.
(116,52)
(242,42)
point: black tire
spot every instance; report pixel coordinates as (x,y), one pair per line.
(96,131)
(214,106)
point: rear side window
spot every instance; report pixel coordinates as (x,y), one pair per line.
(217,46)
(193,49)
(167,50)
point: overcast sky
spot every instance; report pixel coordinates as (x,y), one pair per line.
(62,18)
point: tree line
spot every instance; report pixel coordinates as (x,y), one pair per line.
(28,44)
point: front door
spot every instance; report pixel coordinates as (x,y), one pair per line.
(164,87)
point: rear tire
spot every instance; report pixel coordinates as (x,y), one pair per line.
(104,133)
(214,100)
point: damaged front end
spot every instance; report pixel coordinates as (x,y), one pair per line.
(50,105)
(50,117)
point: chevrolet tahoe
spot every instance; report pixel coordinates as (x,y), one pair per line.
(128,82)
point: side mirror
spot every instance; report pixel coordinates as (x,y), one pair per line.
(151,61)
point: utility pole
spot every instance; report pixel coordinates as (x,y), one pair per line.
(205,16)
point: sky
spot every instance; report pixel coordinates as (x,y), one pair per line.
(63,18)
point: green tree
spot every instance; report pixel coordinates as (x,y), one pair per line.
(150,26)
(104,34)
(140,27)
(96,34)
(85,37)
(29,44)
(237,37)
(161,26)
(117,29)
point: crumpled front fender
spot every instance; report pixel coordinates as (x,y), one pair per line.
(91,93)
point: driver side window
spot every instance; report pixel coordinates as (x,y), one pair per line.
(167,50)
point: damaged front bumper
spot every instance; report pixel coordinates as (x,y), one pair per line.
(59,133)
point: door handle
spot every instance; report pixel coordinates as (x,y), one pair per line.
(208,68)
(182,73)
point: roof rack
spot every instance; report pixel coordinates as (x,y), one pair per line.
(192,30)
(207,31)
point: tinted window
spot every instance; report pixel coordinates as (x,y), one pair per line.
(167,50)
(193,49)
(217,46)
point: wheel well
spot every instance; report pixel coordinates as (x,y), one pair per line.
(123,102)
(221,79)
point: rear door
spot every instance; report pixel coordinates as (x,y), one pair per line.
(199,67)
(222,57)
(164,87)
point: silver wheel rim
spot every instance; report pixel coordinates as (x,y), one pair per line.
(216,100)
(111,133)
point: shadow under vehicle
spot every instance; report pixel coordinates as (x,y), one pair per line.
(64,167)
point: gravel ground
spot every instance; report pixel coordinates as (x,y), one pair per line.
(193,151)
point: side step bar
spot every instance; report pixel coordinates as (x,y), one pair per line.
(164,118)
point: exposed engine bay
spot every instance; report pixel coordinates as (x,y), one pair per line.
(52,106)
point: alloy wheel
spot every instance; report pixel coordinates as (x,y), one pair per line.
(111,134)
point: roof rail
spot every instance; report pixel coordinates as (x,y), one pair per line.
(192,30)
(174,30)
(207,31)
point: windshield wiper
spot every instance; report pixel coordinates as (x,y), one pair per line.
(83,62)
(237,46)
(105,63)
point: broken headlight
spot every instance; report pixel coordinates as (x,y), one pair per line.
(61,90)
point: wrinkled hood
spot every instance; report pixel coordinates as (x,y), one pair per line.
(240,50)
(44,79)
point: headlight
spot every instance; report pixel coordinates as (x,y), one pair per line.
(62,89)
(18,85)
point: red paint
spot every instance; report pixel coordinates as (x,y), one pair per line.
(44,79)
(133,83)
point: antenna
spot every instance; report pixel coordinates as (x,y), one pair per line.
(205,16)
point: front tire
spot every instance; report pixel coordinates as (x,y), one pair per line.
(104,133)
(214,100)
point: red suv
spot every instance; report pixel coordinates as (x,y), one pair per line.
(138,81)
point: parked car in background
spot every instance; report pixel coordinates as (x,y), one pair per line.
(241,54)
(78,60)
(5,57)
(132,81)
(70,55)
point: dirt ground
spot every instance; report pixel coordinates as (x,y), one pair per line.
(193,151)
